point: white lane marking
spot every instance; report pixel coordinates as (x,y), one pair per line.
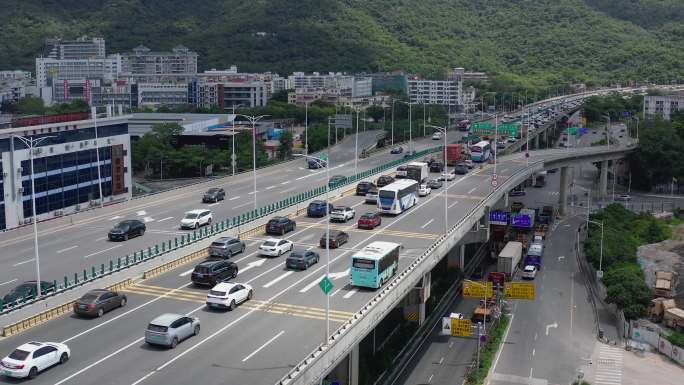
(269,187)
(263,346)
(186,273)
(5,283)
(471,190)
(427,223)
(451,344)
(252,244)
(318,172)
(141,213)
(165,219)
(67,249)
(549,326)
(101,239)
(243,205)
(252,265)
(234,198)
(23,262)
(283,276)
(289,190)
(214,204)
(286,182)
(430,379)
(335,292)
(453,204)
(503,343)
(252,192)
(148,219)
(441,360)
(351,292)
(102,251)
(312,284)
(533,352)
(115,217)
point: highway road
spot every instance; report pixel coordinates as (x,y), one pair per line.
(70,244)
(260,341)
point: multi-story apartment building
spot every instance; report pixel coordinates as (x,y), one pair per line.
(333,81)
(162,94)
(444,92)
(662,106)
(226,94)
(81,48)
(65,168)
(146,66)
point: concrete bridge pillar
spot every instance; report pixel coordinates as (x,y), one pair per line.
(413,304)
(563,196)
(347,371)
(603,180)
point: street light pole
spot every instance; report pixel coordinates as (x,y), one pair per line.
(253,120)
(97,155)
(393,100)
(31,143)
(306,128)
(356,143)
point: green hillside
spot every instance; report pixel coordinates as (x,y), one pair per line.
(523,41)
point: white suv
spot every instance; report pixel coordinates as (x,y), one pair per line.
(226,295)
(342,214)
(196,218)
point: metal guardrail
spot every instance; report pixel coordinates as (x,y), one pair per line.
(87,276)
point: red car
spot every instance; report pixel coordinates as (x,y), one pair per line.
(369,221)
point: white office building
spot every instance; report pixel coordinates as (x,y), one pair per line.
(442,92)
(81,48)
(662,106)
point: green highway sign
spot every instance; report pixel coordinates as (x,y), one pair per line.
(326,285)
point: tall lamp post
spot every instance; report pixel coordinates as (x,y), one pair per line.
(93,112)
(232,156)
(410,127)
(607,117)
(253,120)
(446,181)
(32,143)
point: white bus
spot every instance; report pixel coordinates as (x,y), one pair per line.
(480,152)
(398,196)
(375,264)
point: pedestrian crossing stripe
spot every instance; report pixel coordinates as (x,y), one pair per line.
(253,304)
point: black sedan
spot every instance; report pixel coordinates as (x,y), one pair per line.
(27,290)
(127,229)
(97,302)
(337,238)
(214,195)
(397,150)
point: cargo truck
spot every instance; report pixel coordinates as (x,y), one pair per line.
(417,171)
(509,258)
(454,154)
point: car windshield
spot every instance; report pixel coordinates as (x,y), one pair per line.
(190,216)
(19,355)
(122,226)
(218,244)
(296,255)
(217,293)
(212,191)
(202,269)
(269,243)
(88,298)
(157,328)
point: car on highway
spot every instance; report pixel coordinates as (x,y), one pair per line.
(401,172)
(516,192)
(436,166)
(369,221)
(29,359)
(336,180)
(434,184)
(397,150)
(226,247)
(529,272)
(212,271)
(437,136)
(302,259)
(372,196)
(280,226)
(274,247)
(127,229)
(342,214)
(501,144)
(195,218)
(316,209)
(512,139)
(448,176)
(424,190)
(214,195)
(461,169)
(469,163)
(623,198)
(169,329)
(337,239)
(97,302)
(227,295)
(27,290)
(363,186)
(384,180)
(429,161)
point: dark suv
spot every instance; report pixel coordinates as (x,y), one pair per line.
(226,247)
(302,259)
(436,166)
(363,187)
(127,229)
(337,238)
(212,271)
(317,209)
(384,180)
(214,195)
(280,225)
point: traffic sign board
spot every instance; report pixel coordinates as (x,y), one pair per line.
(494,176)
(494,183)
(474,289)
(326,285)
(461,327)
(519,290)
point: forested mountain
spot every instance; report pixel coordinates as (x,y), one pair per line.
(530,42)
